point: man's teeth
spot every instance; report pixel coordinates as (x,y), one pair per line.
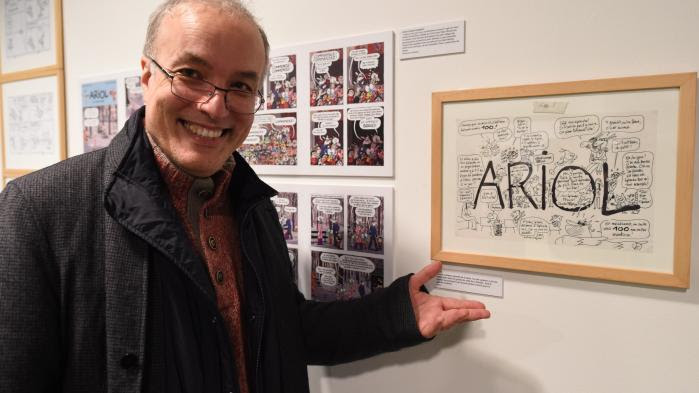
(201,131)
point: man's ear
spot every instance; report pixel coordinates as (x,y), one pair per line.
(146,74)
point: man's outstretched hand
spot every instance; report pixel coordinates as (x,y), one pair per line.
(435,313)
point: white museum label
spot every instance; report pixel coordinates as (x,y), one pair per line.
(453,280)
(433,40)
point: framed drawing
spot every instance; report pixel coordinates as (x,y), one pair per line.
(33,134)
(588,179)
(32,34)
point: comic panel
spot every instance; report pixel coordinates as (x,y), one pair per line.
(326,79)
(286,204)
(327,221)
(281,82)
(365,73)
(272,140)
(134,94)
(366,221)
(100,122)
(365,136)
(327,138)
(344,277)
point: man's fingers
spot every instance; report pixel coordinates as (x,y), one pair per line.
(425,274)
(452,317)
(451,303)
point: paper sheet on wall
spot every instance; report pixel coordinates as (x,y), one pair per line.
(340,242)
(328,110)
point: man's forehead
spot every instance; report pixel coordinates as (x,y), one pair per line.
(191,33)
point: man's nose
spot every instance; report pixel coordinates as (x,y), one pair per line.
(215,107)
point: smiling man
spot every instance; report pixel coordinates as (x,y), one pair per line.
(158,264)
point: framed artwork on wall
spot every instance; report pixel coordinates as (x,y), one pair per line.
(32,32)
(588,178)
(33,134)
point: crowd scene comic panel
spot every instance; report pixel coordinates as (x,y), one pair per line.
(272,140)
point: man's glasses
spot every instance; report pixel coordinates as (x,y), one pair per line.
(201,91)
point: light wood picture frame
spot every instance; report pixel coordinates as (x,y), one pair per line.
(31,37)
(588,179)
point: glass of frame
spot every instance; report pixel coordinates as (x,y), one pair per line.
(31,35)
(33,134)
(589,178)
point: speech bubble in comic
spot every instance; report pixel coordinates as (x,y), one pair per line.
(522,125)
(290,209)
(535,141)
(540,159)
(358,53)
(573,188)
(625,144)
(282,68)
(91,122)
(284,121)
(503,134)
(280,201)
(328,280)
(568,127)
(470,170)
(279,60)
(369,64)
(319,117)
(329,258)
(465,195)
(625,229)
(264,119)
(634,123)
(482,126)
(252,140)
(326,57)
(489,195)
(330,209)
(645,198)
(365,206)
(365,201)
(328,205)
(638,169)
(356,263)
(369,112)
(319,131)
(533,228)
(325,270)
(370,124)
(91,113)
(277,77)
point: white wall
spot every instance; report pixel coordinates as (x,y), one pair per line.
(548,334)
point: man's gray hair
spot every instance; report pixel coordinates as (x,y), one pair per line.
(234,7)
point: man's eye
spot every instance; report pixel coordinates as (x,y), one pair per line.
(190,73)
(241,86)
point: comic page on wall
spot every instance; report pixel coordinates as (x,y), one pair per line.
(576,181)
(31,125)
(107,102)
(328,110)
(340,242)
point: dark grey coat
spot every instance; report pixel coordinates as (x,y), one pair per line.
(74,294)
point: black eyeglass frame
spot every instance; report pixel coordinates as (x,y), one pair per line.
(171,75)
